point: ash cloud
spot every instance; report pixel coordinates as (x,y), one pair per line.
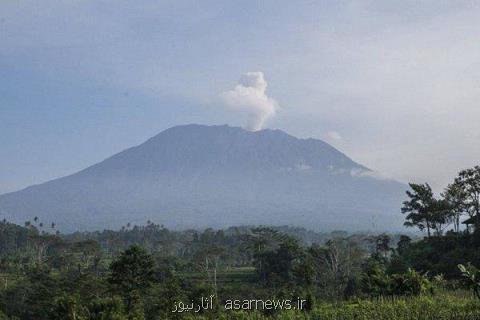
(249,97)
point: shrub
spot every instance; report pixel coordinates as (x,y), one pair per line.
(410,283)
(471,277)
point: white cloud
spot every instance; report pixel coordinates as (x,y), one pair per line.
(334,136)
(249,96)
(359,173)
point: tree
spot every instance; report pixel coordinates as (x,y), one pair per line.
(208,259)
(455,197)
(469,181)
(403,244)
(41,290)
(337,263)
(131,275)
(106,309)
(382,245)
(440,215)
(88,253)
(375,282)
(163,296)
(67,307)
(276,266)
(419,207)
(262,241)
(41,243)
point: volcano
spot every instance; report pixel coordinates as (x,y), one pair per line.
(196,176)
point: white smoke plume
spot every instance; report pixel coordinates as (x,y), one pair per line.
(249,96)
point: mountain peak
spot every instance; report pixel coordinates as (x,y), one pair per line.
(194,146)
(197,128)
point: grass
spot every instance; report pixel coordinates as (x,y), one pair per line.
(442,306)
(439,307)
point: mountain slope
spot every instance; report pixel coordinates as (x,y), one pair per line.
(199,176)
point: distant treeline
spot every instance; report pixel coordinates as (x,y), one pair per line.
(47,274)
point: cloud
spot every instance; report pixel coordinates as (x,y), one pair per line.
(334,136)
(360,173)
(249,97)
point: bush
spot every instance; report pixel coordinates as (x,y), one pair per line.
(410,283)
(471,276)
(376,282)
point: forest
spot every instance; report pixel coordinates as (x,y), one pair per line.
(252,272)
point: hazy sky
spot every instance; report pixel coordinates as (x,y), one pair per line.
(394,84)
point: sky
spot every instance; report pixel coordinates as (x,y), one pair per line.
(393,84)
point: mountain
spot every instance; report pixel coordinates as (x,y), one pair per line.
(216,176)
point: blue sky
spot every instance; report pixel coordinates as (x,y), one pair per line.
(394,84)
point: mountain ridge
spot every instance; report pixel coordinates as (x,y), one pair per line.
(200,176)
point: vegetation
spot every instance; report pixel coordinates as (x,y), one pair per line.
(150,272)
(471,277)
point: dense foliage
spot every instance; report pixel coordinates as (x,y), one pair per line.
(148,272)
